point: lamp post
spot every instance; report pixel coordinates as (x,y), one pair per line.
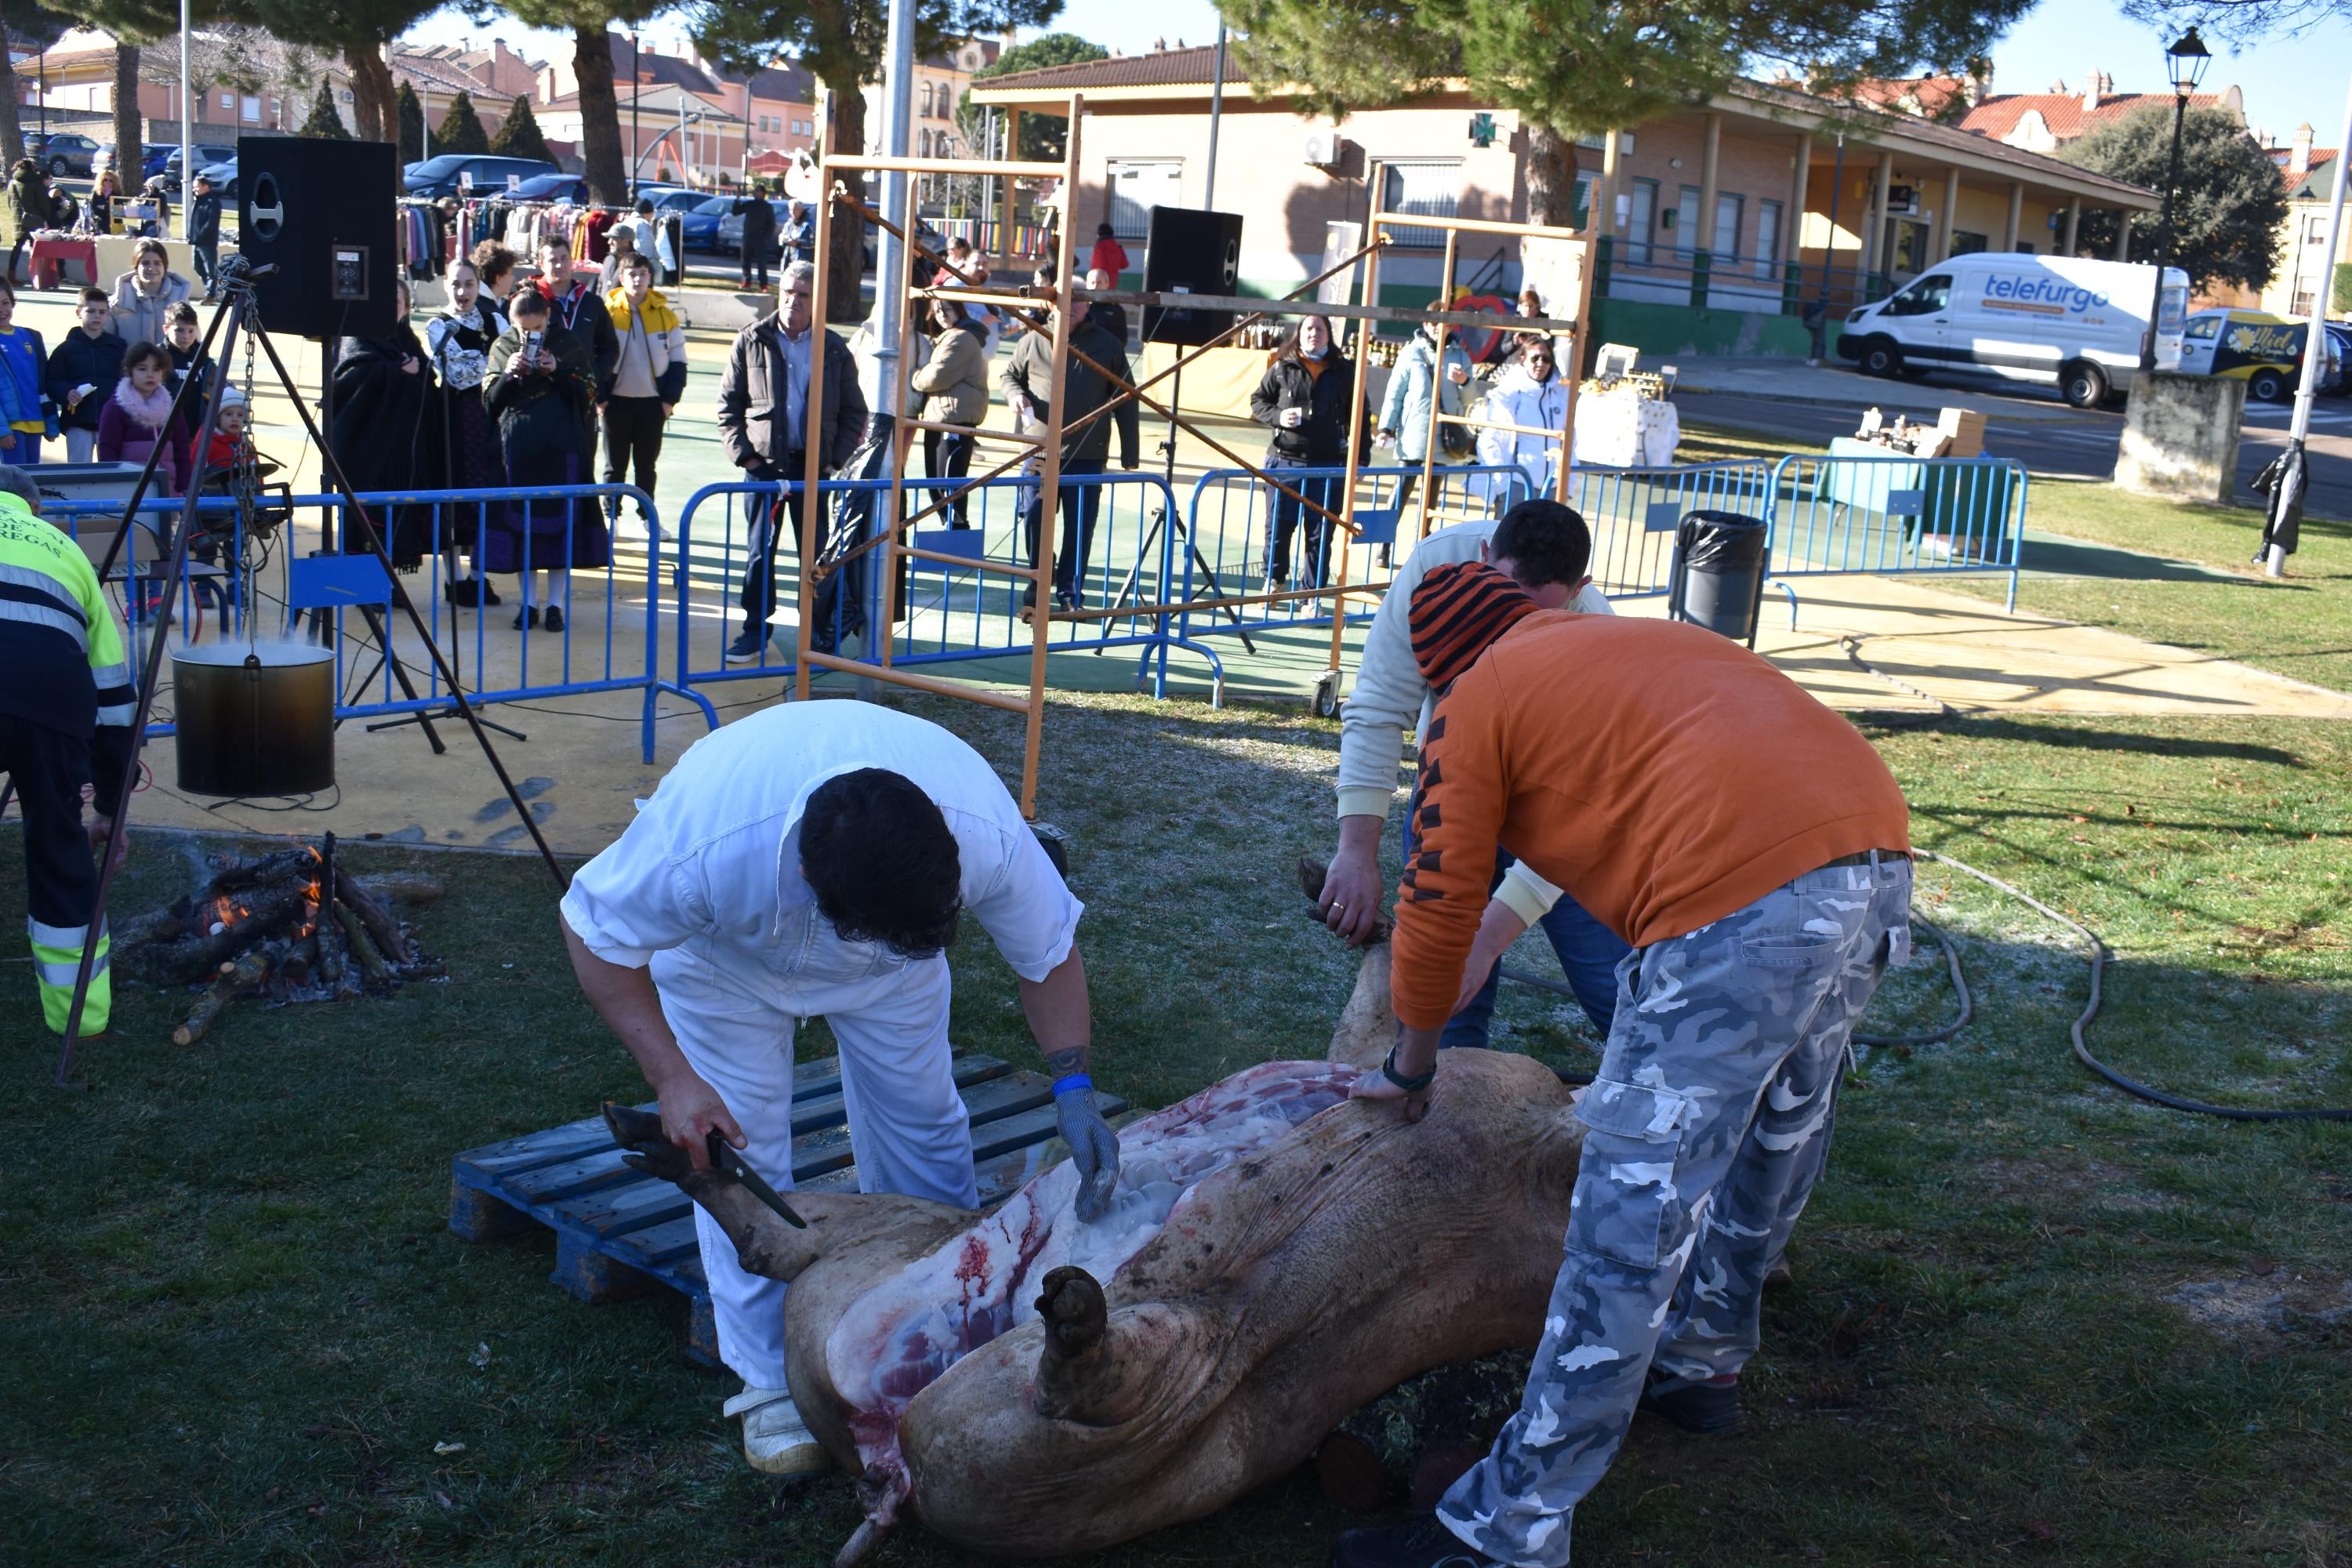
(636,94)
(2185,61)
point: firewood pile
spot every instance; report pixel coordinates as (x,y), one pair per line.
(271,928)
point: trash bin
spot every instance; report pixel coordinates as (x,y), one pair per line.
(1718,573)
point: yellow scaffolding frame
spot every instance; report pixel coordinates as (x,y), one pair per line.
(1045,448)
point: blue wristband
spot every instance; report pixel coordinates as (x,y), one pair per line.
(1063,1086)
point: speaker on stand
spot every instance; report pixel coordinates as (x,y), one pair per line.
(1186,251)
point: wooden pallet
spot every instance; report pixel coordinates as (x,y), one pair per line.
(620,1234)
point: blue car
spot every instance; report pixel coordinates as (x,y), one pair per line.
(699,223)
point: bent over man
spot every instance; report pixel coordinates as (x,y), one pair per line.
(65,721)
(1756,852)
(810,860)
(1545,548)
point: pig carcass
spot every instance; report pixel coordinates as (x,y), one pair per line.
(1276,1256)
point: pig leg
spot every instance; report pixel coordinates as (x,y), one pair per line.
(762,1239)
(1104,1373)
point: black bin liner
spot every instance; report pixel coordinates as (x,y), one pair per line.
(1718,573)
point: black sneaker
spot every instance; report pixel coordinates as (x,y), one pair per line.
(526,616)
(489,595)
(1426,1545)
(1708,1409)
(553,619)
(462,591)
(750,647)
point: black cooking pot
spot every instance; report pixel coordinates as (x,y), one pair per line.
(255,721)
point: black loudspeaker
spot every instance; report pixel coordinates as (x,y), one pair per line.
(1189,252)
(323,214)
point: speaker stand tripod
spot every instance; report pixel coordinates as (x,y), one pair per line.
(1164,516)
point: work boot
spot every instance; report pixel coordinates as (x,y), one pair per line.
(750,648)
(1709,1409)
(1424,1544)
(775,1441)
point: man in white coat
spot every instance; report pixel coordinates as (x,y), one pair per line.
(1547,549)
(810,860)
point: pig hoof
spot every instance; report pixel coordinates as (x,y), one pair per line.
(1075,1312)
(641,1134)
(862,1545)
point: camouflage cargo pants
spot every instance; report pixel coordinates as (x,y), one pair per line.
(1702,1142)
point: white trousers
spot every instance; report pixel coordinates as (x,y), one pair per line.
(907,1123)
(81,445)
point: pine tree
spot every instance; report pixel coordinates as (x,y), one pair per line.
(520,136)
(2226,212)
(324,122)
(460,130)
(1573,67)
(1045,138)
(412,124)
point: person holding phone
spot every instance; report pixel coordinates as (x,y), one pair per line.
(541,389)
(1304,398)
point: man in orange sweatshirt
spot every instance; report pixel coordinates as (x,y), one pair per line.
(1756,852)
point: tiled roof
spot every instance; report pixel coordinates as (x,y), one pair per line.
(789,83)
(1998,116)
(2308,182)
(1933,95)
(1161,67)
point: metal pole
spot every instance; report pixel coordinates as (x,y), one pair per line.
(1216,117)
(2275,561)
(187,125)
(897,110)
(1829,251)
(636,103)
(2163,234)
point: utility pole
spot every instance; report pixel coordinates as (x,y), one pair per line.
(187,124)
(636,94)
(2287,497)
(899,106)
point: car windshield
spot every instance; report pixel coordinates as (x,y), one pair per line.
(434,168)
(546,185)
(716,206)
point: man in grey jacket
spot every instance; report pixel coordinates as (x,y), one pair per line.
(1544,547)
(1029,382)
(763,426)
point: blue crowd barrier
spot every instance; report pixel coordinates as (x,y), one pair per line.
(1633,514)
(445,520)
(951,611)
(1894,515)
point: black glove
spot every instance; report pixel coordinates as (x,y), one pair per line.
(1094,1149)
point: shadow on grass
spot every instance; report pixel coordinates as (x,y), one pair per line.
(2168,743)
(2075,558)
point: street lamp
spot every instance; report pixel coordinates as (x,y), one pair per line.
(2185,61)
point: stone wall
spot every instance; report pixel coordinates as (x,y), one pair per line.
(2180,437)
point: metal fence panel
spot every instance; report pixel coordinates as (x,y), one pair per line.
(1834,516)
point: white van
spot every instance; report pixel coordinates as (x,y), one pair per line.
(2030,318)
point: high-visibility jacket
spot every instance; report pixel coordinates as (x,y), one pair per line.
(66,711)
(58,645)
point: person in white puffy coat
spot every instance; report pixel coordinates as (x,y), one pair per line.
(1531,394)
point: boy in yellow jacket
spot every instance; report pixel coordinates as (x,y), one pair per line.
(649,383)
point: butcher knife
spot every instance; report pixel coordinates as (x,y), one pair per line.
(726,1158)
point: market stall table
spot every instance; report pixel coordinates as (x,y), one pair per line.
(49,257)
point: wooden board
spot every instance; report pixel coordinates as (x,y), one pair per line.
(620,1234)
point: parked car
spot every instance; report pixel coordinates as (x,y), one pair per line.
(453,174)
(2024,317)
(103,159)
(222,175)
(2342,332)
(551,187)
(64,152)
(702,221)
(730,226)
(2264,351)
(207,154)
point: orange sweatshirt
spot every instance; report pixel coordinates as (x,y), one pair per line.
(1662,776)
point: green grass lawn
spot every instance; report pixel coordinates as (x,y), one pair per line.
(2180,573)
(2032,1321)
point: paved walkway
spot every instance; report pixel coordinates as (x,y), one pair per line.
(1835,382)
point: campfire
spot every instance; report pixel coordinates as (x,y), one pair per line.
(290,926)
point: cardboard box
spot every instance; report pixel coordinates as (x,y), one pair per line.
(1965,428)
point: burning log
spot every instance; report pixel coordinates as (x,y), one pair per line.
(248,973)
(403,888)
(234,927)
(375,915)
(293,924)
(355,936)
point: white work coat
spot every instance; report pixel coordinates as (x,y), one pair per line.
(1517,398)
(711,865)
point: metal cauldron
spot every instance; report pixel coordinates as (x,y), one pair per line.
(255,721)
